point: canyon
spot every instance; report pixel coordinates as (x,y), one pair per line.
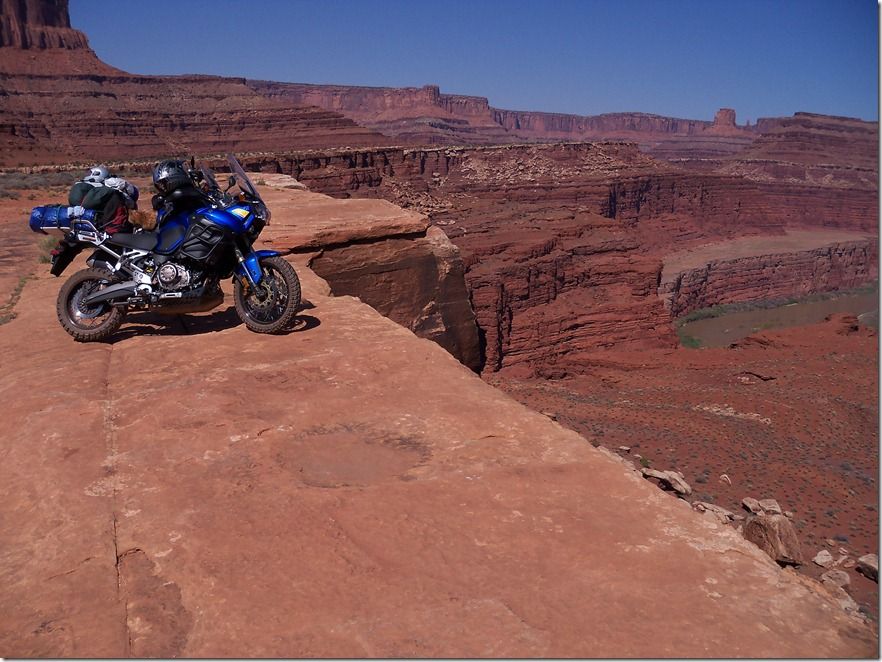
(574,246)
(547,258)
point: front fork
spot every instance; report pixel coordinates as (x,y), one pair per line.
(248,265)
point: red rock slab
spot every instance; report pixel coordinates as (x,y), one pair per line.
(303,220)
(346,490)
(60,594)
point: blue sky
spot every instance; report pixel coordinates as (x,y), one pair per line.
(684,58)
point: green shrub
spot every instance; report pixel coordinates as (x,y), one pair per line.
(688,341)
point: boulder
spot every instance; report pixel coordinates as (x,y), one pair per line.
(823,559)
(775,535)
(838,578)
(868,566)
(672,480)
(752,505)
(770,507)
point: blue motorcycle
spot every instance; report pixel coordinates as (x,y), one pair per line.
(178,267)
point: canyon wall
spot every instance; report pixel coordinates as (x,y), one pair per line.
(838,266)
(563,245)
(61,104)
(124,117)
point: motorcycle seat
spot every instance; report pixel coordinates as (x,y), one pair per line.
(142,241)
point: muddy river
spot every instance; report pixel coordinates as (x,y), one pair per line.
(727,328)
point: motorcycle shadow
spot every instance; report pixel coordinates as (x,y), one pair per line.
(153,324)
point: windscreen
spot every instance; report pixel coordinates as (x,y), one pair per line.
(208,175)
(241,178)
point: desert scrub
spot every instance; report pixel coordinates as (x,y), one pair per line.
(12,182)
(7,312)
(46,244)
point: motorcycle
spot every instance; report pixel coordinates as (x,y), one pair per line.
(178,267)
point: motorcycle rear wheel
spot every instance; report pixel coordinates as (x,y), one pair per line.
(272,307)
(83,322)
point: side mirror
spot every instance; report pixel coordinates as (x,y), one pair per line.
(231,182)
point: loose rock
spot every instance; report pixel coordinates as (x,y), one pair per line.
(752,505)
(838,578)
(775,535)
(868,566)
(672,479)
(770,506)
(823,559)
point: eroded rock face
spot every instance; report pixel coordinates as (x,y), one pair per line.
(415,281)
(388,257)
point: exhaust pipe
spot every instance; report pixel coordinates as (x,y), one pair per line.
(120,290)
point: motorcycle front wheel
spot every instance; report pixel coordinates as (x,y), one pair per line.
(87,323)
(271,307)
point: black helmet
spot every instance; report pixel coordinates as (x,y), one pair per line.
(169,176)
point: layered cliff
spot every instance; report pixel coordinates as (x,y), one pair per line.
(410,115)
(768,274)
(60,103)
(814,149)
(426,116)
(124,116)
(388,257)
(36,38)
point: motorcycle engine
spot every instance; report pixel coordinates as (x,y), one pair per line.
(173,276)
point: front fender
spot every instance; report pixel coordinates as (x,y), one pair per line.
(250,268)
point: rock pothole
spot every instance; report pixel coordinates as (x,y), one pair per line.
(350,457)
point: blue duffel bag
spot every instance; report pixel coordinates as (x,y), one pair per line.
(58,217)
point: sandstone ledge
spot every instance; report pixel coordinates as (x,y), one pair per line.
(345,490)
(386,256)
